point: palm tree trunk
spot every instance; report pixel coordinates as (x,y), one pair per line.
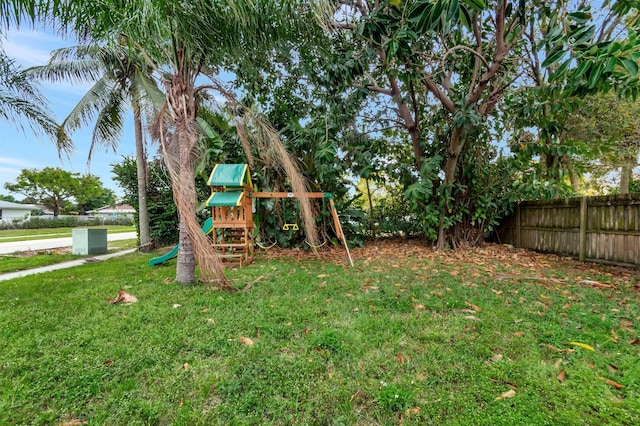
(141,161)
(186,265)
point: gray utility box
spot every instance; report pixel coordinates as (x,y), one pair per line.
(89,241)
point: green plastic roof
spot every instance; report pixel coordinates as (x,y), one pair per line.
(230,175)
(229,198)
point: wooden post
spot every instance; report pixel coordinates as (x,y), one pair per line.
(518,241)
(582,248)
(339,231)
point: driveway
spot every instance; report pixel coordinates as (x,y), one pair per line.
(51,243)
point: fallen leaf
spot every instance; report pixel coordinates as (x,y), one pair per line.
(472,306)
(560,376)
(614,336)
(409,412)
(582,345)
(495,358)
(323,275)
(558,363)
(472,318)
(176,305)
(611,382)
(124,298)
(421,377)
(246,341)
(205,310)
(211,321)
(634,342)
(519,333)
(508,394)
(418,306)
(355,310)
(612,368)
(466,311)
(108,362)
(185,367)
(400,359)
(594,284)
(73,423)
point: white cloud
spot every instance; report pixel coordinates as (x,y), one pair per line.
(8,161)
(31,48)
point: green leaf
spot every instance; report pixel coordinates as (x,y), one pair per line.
(610,64)
(631,67)
(582,68)
(553,58)
(478,5)
(579,17)
(583,35)
(594,76)
(453,13)
(465,17)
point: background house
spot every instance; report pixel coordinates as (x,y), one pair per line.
(10,212)
(111,212)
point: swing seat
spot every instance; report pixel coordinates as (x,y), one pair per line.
(290,226)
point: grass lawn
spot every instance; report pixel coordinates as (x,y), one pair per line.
(10,235)
(409,336)
(30,260)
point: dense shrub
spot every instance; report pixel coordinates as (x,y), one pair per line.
(64,222)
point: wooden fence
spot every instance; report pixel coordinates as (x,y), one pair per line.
(604,229)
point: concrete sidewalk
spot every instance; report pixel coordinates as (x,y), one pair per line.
(63,265)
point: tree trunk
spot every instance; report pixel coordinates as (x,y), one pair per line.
(371,218)
(141,161)
(575,182)
(625,176)
(186,265)
(183,151)
(454,149)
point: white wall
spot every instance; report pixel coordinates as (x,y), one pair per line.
(8,215)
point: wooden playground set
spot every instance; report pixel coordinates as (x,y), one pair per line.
(231,225)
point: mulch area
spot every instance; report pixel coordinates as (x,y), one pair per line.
(522,264)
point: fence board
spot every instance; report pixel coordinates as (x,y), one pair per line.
(590,228)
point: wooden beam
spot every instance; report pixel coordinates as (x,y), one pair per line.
(339,231)
(582,239)
(288,195)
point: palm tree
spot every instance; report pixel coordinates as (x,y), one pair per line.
(181,44)
(20,97)
(180,41)
(119,78)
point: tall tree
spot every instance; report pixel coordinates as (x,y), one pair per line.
(180,43)
(53,187)
(119,77)
(614,142)
(572,49)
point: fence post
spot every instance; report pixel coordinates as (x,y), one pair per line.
(582,250)
(518,227)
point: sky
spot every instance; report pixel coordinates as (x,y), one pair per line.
(26,150)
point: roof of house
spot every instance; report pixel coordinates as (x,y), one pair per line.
(119,208)
(16,206)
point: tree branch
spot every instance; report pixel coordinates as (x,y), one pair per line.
(435,90)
